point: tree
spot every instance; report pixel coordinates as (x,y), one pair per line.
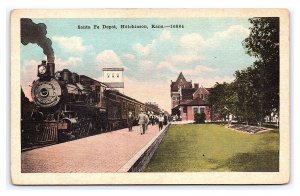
(248,106)
(221,98)
(199,117)
(255,90)
(26,106)
(24,99)
(263,43)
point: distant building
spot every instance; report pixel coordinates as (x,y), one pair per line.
(113,78)
(186,99)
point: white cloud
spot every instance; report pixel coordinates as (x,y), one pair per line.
(196,42)
(108,58)
(232,32)
(129,56)
(165,35)
(147,49)
(71,44)
(144,50)
(178,61)
(199,70)
(192,41)
(167,65)
(28,74)
(70,63)
(211,81)
(190,50)
(158,92)
(184,58)
(146,64)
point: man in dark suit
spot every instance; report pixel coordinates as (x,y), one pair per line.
(130,120)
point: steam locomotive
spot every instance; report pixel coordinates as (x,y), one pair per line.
(70,106)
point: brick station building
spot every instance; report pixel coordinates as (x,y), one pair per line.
(188,99)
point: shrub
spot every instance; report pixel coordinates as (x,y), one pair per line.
(199,117)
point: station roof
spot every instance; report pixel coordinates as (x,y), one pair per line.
(196,102)
(180,80)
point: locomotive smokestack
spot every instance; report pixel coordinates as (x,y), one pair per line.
(36,34)
(51,66)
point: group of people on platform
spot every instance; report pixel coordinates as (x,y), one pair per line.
(145,119)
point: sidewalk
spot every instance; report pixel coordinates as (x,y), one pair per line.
(182,122)
(106,152)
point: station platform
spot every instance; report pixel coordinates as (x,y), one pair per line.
(106,152)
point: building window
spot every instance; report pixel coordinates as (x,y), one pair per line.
(201,109)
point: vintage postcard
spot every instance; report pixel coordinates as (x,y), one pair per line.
(150,96)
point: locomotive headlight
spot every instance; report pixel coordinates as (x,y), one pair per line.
(42,69)
(44,92)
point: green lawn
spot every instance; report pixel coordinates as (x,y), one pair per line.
(210,147)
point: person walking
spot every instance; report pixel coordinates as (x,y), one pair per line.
(160,121)
(165,119)
(152,120)
(146,122)
(142,122)
(130,120)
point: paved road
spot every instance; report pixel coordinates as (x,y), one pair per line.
(105,152)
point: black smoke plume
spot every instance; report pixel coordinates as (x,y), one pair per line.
(36,34)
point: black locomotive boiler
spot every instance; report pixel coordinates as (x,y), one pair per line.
(70,106)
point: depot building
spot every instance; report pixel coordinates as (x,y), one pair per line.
(188,99)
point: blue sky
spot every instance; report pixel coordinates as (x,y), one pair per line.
(206,50)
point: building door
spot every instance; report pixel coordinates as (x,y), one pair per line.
(195,110)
